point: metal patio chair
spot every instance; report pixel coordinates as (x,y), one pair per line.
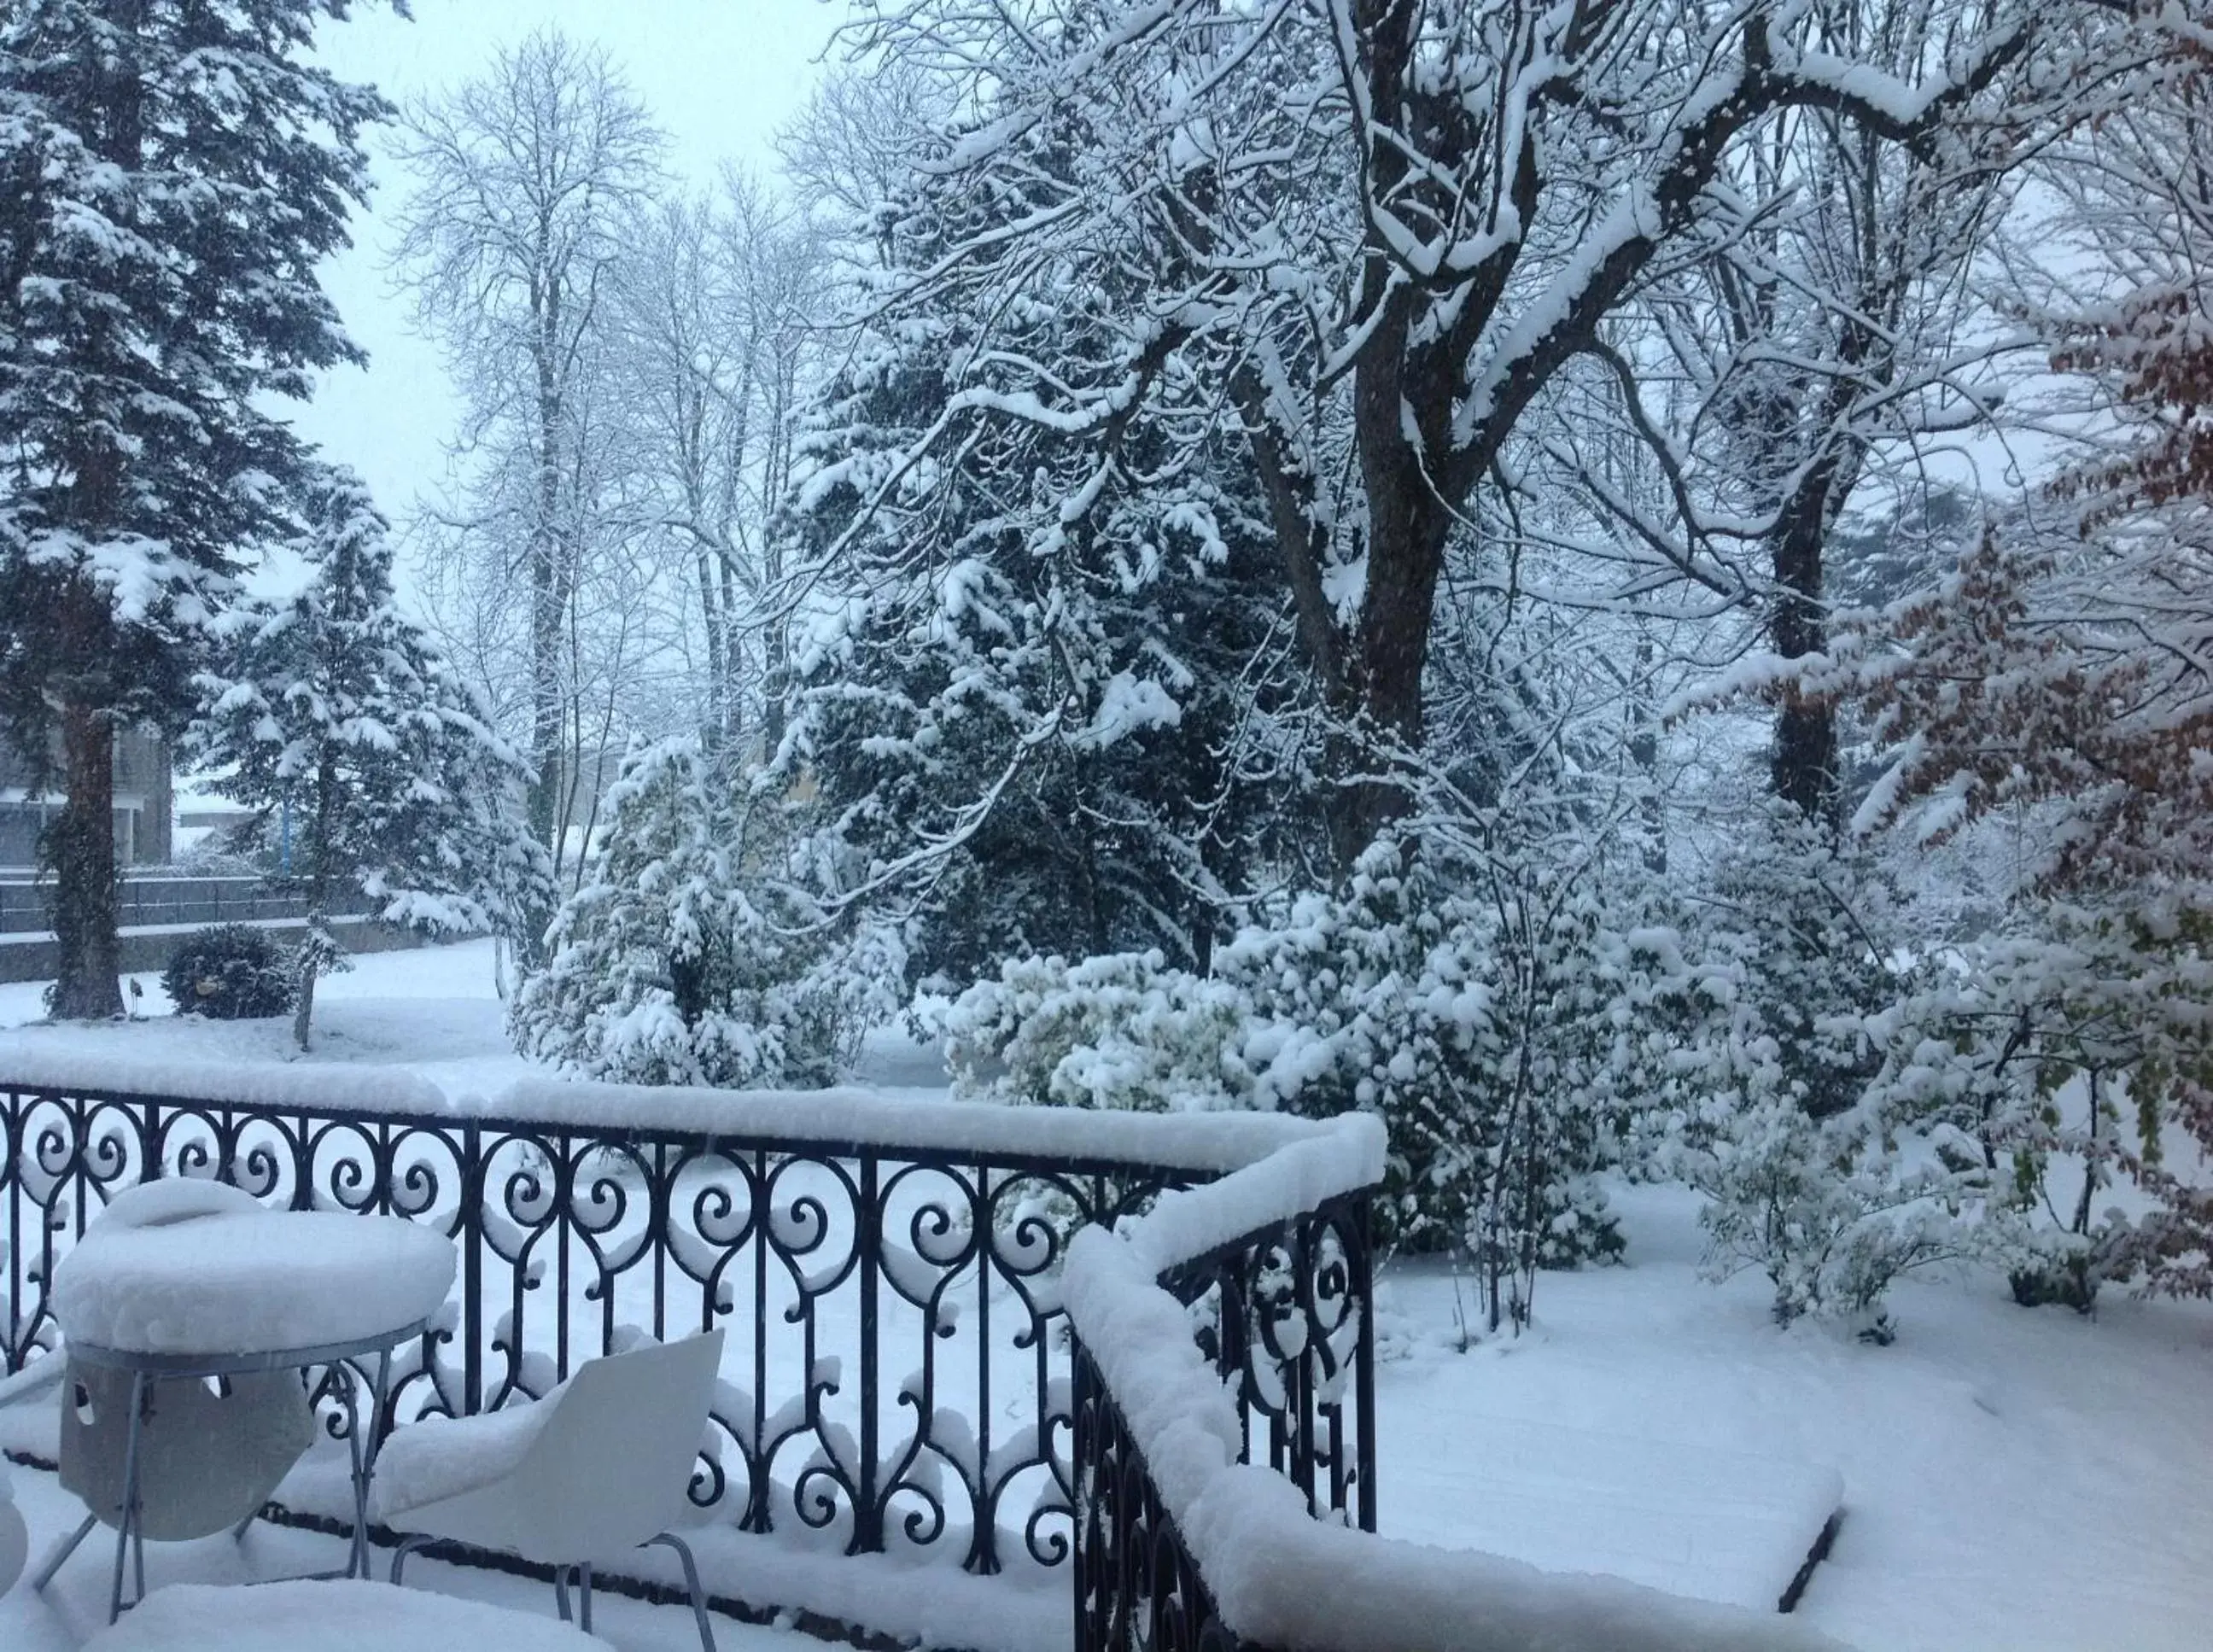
(596,1468)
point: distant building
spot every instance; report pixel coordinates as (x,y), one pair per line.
(202,814)
(144,802)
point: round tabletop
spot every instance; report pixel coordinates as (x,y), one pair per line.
(240,1284)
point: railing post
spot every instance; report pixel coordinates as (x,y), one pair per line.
(868,1515)
(472,1239)
(1363,1356)
(1082,1554)
(11,1360)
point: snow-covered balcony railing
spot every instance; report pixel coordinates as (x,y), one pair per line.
(897,1374)
(1188,1541)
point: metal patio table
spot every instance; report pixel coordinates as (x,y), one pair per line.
(148,1367)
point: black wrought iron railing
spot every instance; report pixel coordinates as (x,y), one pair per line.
(1137,1587)
(899,1377)
(1282,1316)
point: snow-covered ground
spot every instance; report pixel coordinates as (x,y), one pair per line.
(2013,1478)
(433,1011)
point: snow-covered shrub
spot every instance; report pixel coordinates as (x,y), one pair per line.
(2061,1052)
(684,958)
(230,971)
(1826,1211)
(1809,929)
(1120,1031)
(1504,1028)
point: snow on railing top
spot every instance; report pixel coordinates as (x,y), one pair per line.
(1202,1142)
(1279,1577)
(294,1086)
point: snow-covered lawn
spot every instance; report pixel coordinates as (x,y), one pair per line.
(2012,1478)
(433,1011)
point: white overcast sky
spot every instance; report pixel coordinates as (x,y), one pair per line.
(719,77)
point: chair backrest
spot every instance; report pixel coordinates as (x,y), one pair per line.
(610,1468)
(209,1453)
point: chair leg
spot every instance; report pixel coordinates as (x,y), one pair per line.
(126,1520)
(584,1597)
(63,1551)
(407,1547)
(691,1585)
(561,1594)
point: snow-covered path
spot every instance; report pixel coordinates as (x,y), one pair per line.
(2013,1478)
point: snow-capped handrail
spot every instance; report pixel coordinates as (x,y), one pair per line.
(1245,1561)
(1210,1143)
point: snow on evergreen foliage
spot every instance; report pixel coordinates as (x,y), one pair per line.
(333,704)
(1049,709)
(687,957)
(171,178)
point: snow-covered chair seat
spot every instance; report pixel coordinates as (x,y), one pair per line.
(359,1617)
(596,1468)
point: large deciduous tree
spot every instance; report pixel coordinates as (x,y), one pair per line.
(524,181)
(2057,679)
(171,174)
(1374,235)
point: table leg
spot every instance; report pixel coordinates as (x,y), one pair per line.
(126,1523)
(364,1454)
(356,1557)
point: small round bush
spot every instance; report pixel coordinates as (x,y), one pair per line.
(231,971)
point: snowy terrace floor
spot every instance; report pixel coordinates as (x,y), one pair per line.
(76,1605)
(2012,1479)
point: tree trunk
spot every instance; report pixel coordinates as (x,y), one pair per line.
(1803,767)
(304,1011)
(80,848)
(322,827)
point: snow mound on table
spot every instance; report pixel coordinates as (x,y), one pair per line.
(251,1283)
(315,1616)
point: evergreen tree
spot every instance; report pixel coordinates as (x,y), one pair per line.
(685,957)
(334,708)
(171,172)
(1038,729)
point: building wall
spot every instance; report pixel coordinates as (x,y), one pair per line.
(146,805)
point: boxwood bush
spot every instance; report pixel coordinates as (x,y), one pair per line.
(230,971)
